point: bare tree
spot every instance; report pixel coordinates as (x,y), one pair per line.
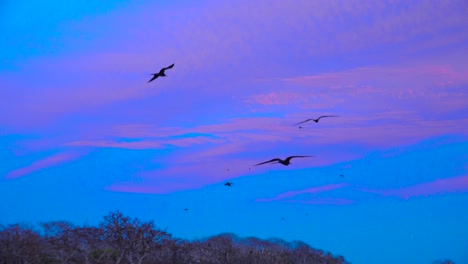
(132,239)
(21,244)
(120,239)
(445,261)
(60,236)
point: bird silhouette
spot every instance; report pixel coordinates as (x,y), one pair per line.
(160,73)
(341,175)
(285,162)
(186,209)
(315,120)
(228,184)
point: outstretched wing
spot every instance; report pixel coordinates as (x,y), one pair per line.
(272,160)
(304,121)
(326,116)
(291,157)
(168,67)
(154,77)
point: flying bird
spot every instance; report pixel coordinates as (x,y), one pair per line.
(228,184)
(160,73)
(315,120)
(285,162)
(341,175)
(186,209)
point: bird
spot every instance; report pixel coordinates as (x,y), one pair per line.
(300,127)
(315,120)
(341,175)
(160,73)
(285,162)
(186,209)
(228,184)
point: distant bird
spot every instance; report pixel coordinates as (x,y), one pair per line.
(282,218)
(341,175)
(315,120)
(301,127)
(186,209)
(228,184)
(160,73)
(285,162)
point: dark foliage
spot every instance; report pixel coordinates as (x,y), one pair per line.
(446,261)
(120,239)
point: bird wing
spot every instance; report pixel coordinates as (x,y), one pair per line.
(268,161)
(168,67)
(304,121)
(154,77)
(291,157)
(326,116)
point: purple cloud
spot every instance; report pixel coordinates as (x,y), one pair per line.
(144,144)
(51,161)
(312,190)
(152,189)
(322,201)
(437,187)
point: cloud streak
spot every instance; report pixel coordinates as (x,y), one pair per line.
(45,163)
(437,187)
(312,190)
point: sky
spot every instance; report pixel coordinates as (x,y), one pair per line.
(83,133)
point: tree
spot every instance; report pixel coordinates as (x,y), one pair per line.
(21,244)
(445,261)
(132,239)
(62,241)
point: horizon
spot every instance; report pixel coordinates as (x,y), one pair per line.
(83,133)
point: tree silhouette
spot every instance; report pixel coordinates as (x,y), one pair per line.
(125,240)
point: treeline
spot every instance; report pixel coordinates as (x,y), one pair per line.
(120,239)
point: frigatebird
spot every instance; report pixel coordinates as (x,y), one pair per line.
(160,73)
(315,120)
(285,162)
(228,184)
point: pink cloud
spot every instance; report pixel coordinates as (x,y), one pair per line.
(218,44)
(51,161)
(436,187)
(312,190)
(144,144)
(149,189)
(277,98)
(113,144)
(318,201)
